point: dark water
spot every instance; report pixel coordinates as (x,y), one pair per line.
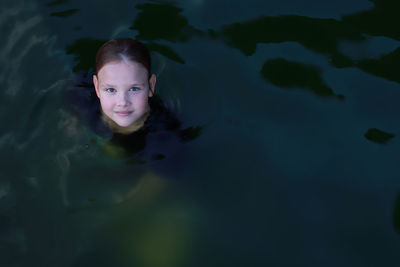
(296,163)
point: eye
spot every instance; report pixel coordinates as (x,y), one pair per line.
(111,90)
(134,89)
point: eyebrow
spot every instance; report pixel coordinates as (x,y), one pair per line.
(131,85)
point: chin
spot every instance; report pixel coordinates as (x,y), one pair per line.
(124,123)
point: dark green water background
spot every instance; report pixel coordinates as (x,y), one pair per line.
(297,160)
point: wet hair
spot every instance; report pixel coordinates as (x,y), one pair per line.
(123,49)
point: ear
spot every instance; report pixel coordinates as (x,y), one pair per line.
(96,85)
(152,84)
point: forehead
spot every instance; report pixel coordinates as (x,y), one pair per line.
(122,72)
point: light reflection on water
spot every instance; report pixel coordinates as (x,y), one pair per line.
(280,174)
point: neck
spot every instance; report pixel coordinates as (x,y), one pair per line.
(135,126)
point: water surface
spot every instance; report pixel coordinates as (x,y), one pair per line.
(295,163)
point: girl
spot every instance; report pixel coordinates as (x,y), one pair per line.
(122,107)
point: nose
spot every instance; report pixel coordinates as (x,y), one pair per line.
(123,99)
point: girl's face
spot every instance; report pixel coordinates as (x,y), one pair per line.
(123,88)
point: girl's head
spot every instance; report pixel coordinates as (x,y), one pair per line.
(123,81)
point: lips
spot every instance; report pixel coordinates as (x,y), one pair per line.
(123,113)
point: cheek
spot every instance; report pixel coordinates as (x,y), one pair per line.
(106,103)
(140,101)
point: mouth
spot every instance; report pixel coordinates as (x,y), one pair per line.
(123,113)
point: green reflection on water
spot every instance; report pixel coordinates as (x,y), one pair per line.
(289,74)
(85,53)
(323,36)
(319,35)
(387,66)
(382,20)
(378,136)
(173,27)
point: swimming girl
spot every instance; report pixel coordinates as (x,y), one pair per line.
(126,121)
(119,104)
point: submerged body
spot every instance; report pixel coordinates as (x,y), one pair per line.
(160,131)
(119,105)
